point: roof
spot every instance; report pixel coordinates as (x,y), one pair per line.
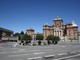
(30,29)
(69,24)
(46,24)
(58,18)
(73,24)
(3,29)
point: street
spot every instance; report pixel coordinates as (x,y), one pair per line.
(61,51)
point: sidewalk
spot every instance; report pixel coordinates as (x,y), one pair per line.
(68,42)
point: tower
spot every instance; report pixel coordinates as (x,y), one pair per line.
(58,26)
(72,30)
(58,22)
(75,30)
(30,32)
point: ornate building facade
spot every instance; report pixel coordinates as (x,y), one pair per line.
(59,29)
(69,30)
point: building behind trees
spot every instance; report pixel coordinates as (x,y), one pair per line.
(58,28)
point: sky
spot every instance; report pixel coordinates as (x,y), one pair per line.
(19,15)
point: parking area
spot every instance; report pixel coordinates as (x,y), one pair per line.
(60,51)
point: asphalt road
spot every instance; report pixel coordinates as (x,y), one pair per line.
(61,51)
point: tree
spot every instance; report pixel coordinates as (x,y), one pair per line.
(27,38)
(18,35)
(49,38)
(22,34)
(53,38)
(39,37)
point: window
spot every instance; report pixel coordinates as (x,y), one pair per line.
(57,25)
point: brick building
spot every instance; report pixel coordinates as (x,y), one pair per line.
(69,30)
(30,31)
(59,29)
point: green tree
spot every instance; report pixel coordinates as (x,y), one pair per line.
(50,37)
(18,35)
(39,37)
(27,37)
(53,38)
(21,34)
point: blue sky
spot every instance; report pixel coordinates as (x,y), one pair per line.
(19,15)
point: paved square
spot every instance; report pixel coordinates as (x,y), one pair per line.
(46,52)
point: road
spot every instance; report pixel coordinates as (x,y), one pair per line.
(61,51)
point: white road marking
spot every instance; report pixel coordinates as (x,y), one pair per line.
(62,54)
(19,51)
(49,55)
(15,44)
(34,58)
(67,57)
(33,50)
(25,54)
(18,55)
(39,53)
(72,52)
